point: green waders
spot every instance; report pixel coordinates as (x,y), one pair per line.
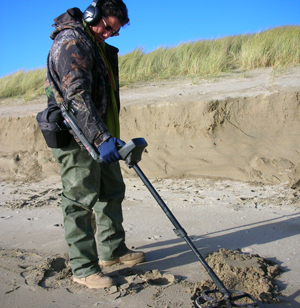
(87,186)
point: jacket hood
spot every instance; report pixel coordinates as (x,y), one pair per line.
(68,20)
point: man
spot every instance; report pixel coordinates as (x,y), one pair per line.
(82,76)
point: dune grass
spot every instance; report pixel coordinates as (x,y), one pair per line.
(277,48)
(29,84)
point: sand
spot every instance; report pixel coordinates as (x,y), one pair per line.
(224,156)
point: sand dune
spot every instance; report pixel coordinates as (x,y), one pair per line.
(236,127)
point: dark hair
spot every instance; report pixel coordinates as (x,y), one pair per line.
(115,8)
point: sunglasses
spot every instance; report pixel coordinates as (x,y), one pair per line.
(110,29)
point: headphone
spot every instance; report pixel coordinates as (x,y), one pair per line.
(92,14)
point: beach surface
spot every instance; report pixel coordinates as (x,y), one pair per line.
(224,156)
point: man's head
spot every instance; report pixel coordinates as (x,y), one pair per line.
(105,18)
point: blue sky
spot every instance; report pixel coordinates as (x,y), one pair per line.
(26,25)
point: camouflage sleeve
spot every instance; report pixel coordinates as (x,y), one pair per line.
(74,69)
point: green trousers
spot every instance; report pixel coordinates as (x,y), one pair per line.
(88,186)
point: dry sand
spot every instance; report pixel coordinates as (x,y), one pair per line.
(223,154)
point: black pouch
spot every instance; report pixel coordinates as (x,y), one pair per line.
(51,123)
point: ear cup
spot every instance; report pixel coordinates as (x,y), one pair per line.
(92,15)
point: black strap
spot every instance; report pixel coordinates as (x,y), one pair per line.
(95,73)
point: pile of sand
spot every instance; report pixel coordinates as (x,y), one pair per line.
(238,271)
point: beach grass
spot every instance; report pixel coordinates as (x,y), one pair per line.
(278,48)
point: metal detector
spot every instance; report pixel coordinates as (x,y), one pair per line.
(131,153)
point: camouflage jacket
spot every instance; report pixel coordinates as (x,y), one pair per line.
(79,80)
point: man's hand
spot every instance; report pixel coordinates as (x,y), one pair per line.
(109,150)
